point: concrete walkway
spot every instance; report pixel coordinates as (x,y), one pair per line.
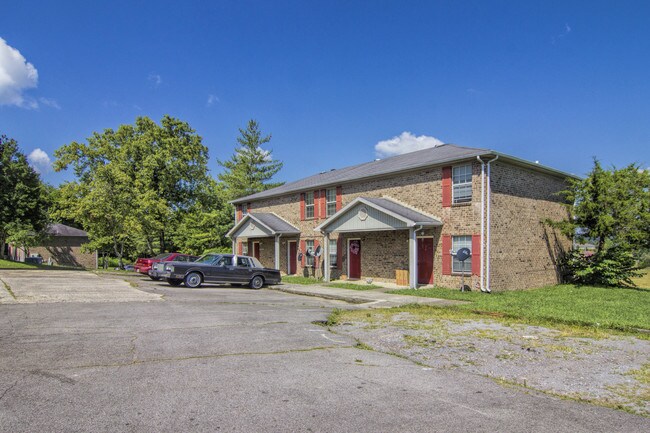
(364,298)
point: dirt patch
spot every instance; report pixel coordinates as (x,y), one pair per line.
(611,371)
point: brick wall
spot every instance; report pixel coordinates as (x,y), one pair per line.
(66,251)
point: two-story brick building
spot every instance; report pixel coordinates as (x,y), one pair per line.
(412,212)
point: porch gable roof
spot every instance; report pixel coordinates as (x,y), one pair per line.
(269,223)
(387,215)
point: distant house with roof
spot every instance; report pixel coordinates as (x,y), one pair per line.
(410,214)
(62,247)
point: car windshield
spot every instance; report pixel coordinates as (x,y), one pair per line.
(208,258)
(162,256)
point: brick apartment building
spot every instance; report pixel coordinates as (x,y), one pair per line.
(411,213)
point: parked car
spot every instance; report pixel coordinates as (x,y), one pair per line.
(144,266)
(221,268)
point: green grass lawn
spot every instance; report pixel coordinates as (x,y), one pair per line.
(307,281)
(8,264)
(613,308)
(644,280)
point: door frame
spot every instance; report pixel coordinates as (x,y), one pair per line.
(259,249)
(347,253)
(289,257)
(434,253)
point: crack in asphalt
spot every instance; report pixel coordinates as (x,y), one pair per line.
(209,356)
(8,389)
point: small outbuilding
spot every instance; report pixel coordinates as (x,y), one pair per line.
(61,247)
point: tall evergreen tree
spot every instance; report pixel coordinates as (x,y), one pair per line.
(23,206)
(251,168)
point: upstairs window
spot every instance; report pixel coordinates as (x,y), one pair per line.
(458,242)
(462,184)
(244,209)
(330,197)
(309,205)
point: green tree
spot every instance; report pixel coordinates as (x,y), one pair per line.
(23,205)
(251,168)
(133,183)
(610,208)
(205,225)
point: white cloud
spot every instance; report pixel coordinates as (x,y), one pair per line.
(16,75)
(405,143)
(211,100)
(50,103)
(155,79)
(40,161)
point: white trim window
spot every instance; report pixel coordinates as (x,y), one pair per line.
(333,253)
(461,184)
(309,245)
(458,242)
(330,197)
(309,204)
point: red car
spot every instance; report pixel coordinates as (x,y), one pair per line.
(144,266)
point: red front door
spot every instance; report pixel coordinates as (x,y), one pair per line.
(293,256)
(425,260)
(256,250)
(354,257)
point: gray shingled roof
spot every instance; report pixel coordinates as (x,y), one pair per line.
(443,154)
(421,158)
(275,223)
(402,210)
(63,230)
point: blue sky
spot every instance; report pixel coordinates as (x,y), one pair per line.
(553,81)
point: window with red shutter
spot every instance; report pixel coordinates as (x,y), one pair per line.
(446,186)
(238,215)
(339,198)
(302,207)
(323,203)
(339,251)
(476,255)
(303,250)
(317,204)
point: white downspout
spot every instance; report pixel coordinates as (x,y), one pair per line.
(482,255)
(487,254)
(277,251)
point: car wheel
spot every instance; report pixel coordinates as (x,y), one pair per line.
(154,278)
(193,280)
(174,282)
(257,282)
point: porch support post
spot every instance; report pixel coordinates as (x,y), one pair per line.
(413,258)
(277,251)
(234,245)
(326,257)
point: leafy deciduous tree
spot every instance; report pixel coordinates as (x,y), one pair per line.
(23,205)
(612,209)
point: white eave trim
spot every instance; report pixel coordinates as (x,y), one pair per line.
(409,223)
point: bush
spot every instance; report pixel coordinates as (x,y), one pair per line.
(611,267)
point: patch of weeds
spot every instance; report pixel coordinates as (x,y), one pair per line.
(353,286)
(305,281)
(636,394)
(358,361)
(507,355)
(362,346)
(8,289)
(419,340)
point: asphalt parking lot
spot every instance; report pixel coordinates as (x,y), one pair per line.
(230,359)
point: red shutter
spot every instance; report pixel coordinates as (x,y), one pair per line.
(476,254)
(240,248)
(339,200)
(238,217)
(446,256)
(303,249)
(316,204)
(446,186)
(249,207)
(302,206)
(323,203)
(339,253)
